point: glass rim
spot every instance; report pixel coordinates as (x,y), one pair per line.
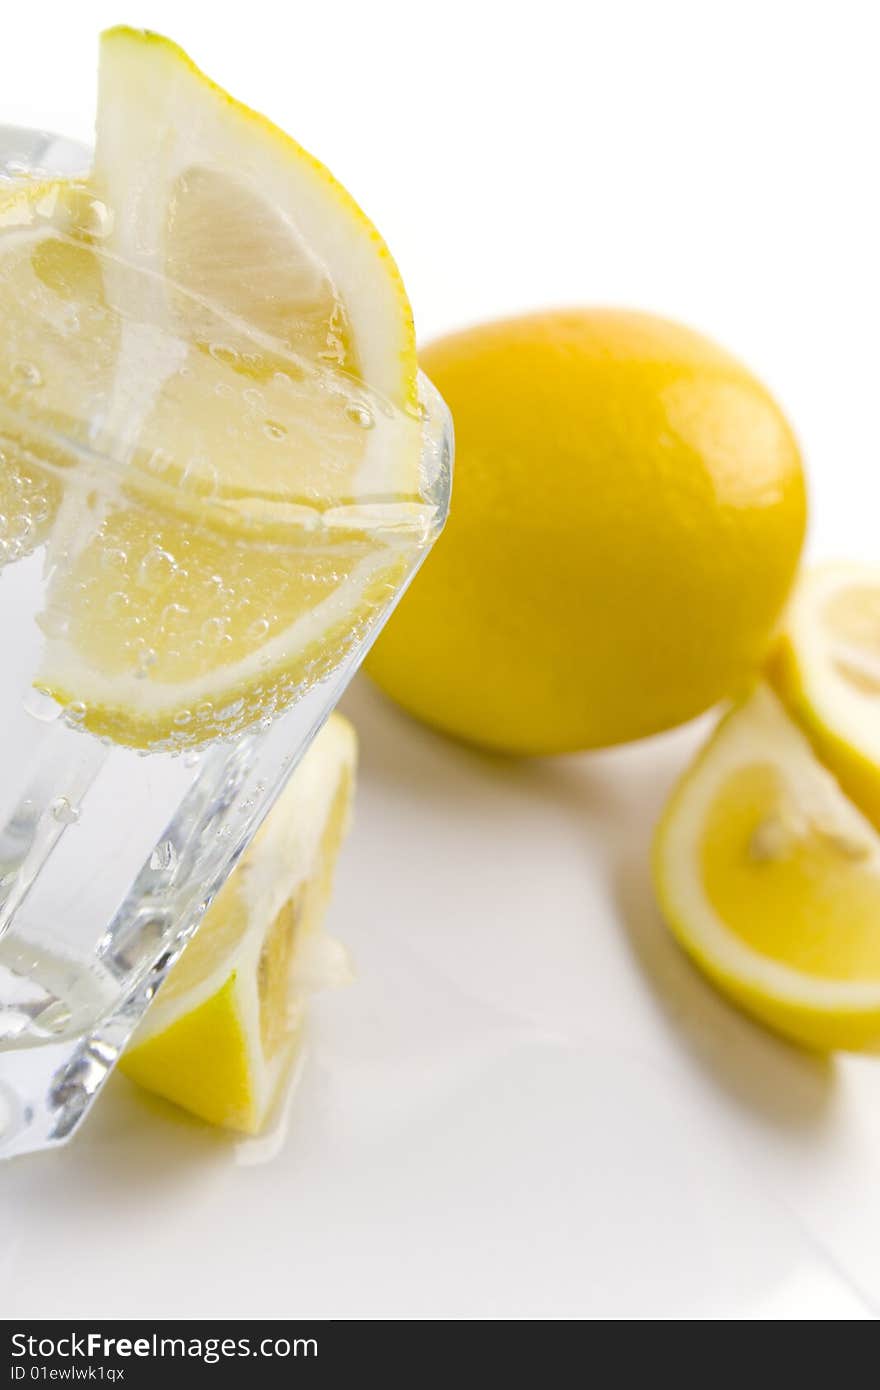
(27,152)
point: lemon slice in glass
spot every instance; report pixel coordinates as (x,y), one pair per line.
(770,878)
(208,357)
(226,1026)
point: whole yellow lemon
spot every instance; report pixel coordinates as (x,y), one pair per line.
(627,515)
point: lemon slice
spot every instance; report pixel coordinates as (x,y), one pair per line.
(228,1021)
(278,264)
(826,667)
(207,407)
(214,197)
(165,634)
(770,878)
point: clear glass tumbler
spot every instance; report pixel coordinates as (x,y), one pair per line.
(113,841)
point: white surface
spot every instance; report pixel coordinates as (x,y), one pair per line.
(529,1104)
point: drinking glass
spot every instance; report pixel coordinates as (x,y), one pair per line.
(110,852)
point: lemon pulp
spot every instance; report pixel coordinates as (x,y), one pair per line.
(770,878)
(791,887)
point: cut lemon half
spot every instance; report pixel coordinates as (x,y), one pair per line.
(207,406)
(826,667)
(228,1021)
(770,878)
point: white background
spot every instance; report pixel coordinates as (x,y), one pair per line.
(529,1104)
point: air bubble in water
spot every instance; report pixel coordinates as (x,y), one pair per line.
(41,706)
(358,414)
(64,812)
(214,629)
(146,659)
(118,601)
(172,613)
(75,712)
(258,629)
(114,558)
(157,566)
(221,353)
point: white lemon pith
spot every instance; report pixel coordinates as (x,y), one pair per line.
(826,667)
(227,1023)
(770,878)
(213,312)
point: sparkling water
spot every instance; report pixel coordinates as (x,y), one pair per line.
(134,566)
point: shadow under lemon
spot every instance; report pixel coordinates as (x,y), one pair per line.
(601,808)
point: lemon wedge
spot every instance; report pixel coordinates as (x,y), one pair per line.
(208,410)
(770,878)
(227,1023)
(207,197)
(826,667)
